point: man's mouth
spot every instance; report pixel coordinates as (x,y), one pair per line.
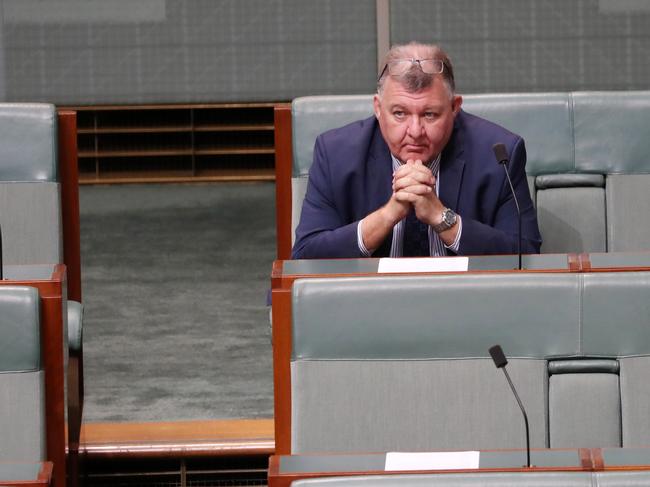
(414,147)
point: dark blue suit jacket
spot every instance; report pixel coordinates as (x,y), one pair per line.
(351,177)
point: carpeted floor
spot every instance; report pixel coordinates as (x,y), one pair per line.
(174,282)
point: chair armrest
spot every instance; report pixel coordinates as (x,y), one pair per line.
(75,325)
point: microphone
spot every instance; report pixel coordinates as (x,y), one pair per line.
(501,361)
(501,154)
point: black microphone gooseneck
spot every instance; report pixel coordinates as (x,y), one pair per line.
(501,154)
(500,361)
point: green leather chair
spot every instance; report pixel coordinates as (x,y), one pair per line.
(22,394)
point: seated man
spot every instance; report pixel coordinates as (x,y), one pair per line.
(419,178)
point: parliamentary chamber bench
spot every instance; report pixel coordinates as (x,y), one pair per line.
(588,161)
(401,363)
(378,363)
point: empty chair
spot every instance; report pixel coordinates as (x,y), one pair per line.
(22,395)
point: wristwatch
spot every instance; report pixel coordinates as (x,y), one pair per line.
(448,220)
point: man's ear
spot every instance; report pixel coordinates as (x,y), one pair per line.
(376,103)
(456,104)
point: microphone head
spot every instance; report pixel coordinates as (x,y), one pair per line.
(500,153)
(498,356)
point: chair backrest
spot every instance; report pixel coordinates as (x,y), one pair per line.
(30,197)
(401,363)
(22,396)
(570,206)
(313,115)
(611,137)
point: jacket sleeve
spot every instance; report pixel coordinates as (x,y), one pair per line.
(322,232)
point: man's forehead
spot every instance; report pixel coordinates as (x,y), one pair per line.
(395,92)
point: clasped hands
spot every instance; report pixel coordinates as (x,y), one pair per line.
(415,186)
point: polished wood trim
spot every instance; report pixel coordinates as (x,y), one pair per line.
(223,151)
(281,312)
(170,106)
(586,458)
(178,128)
(216,176)
(52,293)
(598,462)
(283,165)
(585,262)
(69,177)
(45,474)
(178,439)
(574,262)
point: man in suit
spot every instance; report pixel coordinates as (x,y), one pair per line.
(419,178)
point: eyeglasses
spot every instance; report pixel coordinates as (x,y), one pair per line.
(400,67)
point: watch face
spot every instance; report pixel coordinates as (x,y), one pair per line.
(449,217)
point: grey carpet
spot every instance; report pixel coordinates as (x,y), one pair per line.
(174,282)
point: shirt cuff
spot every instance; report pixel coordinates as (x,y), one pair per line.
(362,248)
(456,243)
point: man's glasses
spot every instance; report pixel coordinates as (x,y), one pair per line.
(400,67)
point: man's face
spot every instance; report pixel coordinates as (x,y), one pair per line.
(416,125)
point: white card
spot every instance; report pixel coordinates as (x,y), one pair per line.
(450,460)
(423,264)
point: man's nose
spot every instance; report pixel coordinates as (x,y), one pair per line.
(415,126)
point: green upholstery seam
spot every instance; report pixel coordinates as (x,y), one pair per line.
(572,125)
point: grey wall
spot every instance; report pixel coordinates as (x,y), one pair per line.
(149,51)
(534,45)
(163,51)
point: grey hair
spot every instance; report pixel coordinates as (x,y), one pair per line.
(415,79)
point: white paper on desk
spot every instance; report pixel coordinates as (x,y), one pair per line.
(448,460)
(423,264)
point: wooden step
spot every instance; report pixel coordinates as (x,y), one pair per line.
(239,437)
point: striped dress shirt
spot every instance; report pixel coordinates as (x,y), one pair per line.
(436,246)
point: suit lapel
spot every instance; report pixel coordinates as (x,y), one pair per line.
(452,166)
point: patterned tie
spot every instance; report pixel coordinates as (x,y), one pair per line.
(416,237)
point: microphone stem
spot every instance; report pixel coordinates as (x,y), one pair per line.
(519,234)
(523,411)
(514,197)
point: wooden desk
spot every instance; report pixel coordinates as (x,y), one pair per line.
(616,261)
(50,280)
(284,469)
(621,458)
(25,474)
